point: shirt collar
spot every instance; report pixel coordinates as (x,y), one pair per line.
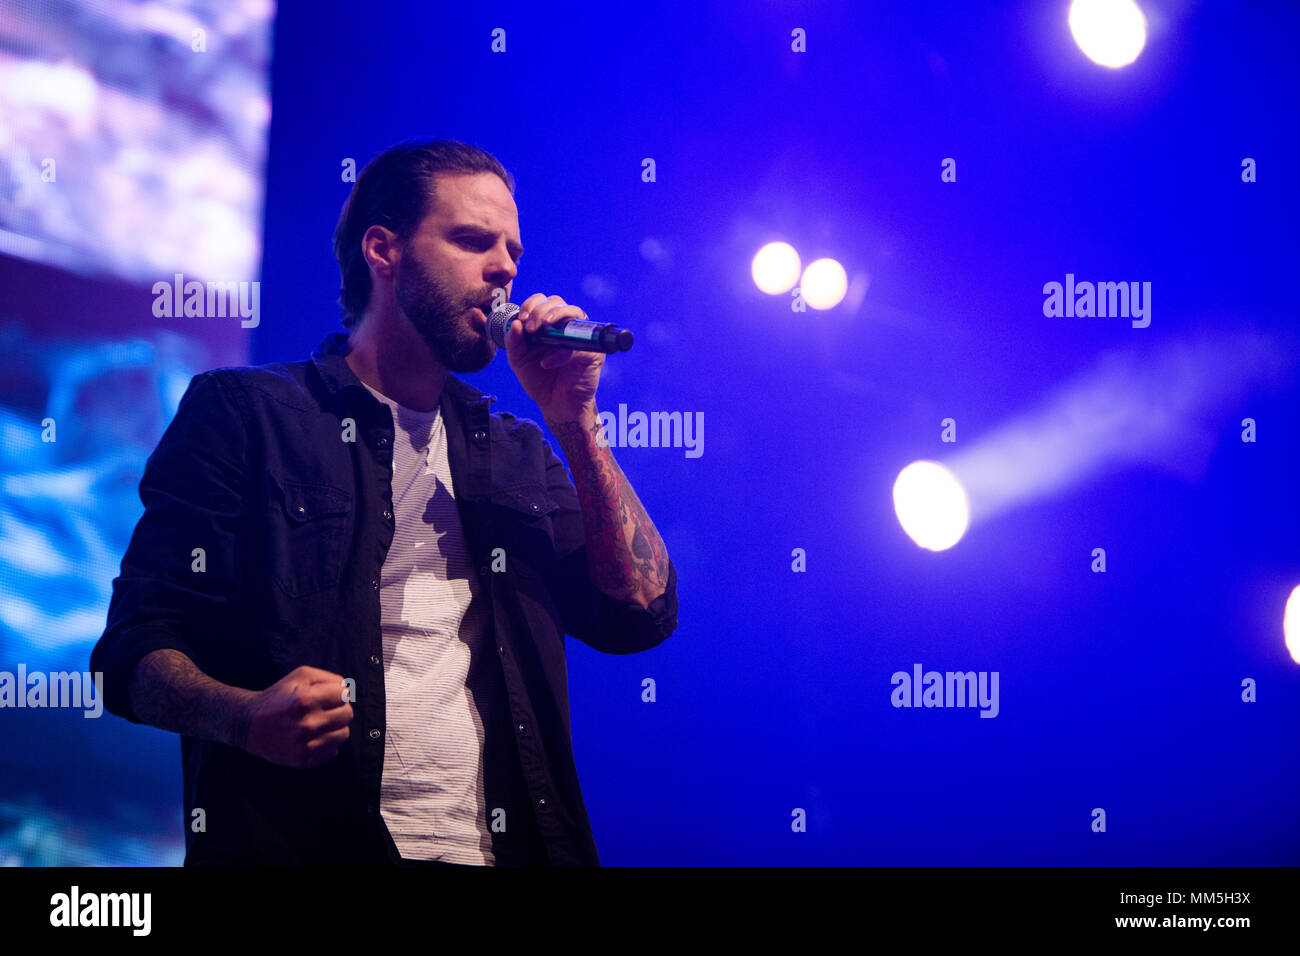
(337,373)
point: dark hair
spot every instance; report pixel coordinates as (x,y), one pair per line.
(396,190)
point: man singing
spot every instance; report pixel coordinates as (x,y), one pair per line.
(350,587)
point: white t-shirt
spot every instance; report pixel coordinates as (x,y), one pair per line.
(434,621)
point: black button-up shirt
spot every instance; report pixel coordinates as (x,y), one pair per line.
(268,515)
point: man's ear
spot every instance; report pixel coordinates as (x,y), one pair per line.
(382,250)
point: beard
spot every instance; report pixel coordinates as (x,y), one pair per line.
(438,316)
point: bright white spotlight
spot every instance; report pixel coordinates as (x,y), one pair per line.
(1291,624)
(931,505)
(1109,32)
(776,268)
(824,284)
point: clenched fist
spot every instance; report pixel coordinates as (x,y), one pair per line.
(299,721)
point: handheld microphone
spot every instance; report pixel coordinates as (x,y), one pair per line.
(580,335)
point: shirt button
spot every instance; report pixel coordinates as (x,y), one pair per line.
(535,506)
(541,802)
(482,569)
(501,650)
(374,585)
(374,659)
(522,728)
(301,510)
(375,734)
(479,434)
(382,443)
(387,515)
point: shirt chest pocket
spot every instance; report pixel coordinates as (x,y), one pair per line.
(524,514)
(309,527)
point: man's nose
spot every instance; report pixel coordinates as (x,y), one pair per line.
(501,269)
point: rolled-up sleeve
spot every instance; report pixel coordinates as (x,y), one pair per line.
(181,570)
(590,615)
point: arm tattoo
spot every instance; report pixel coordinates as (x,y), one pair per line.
(625,555)
(168,691)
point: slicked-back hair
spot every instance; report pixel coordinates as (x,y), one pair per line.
(396,190)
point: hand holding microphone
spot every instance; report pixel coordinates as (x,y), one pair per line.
(562,376)
(579,335)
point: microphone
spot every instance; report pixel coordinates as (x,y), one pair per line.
(579,335)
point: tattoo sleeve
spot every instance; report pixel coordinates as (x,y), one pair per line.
(168,691)
(625,554)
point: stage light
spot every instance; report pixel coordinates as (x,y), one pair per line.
(776,268)
(931,505)
(1109,32)
(1291,624)
(824,284)
(1153,407)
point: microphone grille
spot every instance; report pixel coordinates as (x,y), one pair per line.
(498,322)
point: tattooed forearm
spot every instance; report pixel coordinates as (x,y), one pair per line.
(168,691)
(626,556)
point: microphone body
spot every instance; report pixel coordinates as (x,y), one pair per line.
(579,335)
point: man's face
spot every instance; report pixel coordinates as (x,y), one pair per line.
(466,247)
